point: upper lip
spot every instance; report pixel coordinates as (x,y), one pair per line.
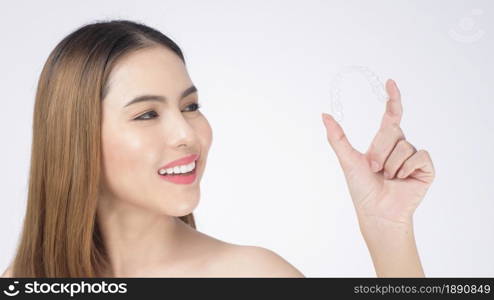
(182,161)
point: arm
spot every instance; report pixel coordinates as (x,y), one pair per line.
(392,248)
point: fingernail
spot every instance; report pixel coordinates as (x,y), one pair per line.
(386,174)
(396,86)
(374,166)
(393,83)
(401,173)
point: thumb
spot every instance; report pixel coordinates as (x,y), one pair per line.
(337,139)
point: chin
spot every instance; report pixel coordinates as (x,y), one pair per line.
(181,208)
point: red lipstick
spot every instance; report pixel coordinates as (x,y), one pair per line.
(183,161)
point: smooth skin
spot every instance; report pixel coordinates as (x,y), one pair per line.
(138,211)
(386,185)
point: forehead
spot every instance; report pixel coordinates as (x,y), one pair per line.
(155,70)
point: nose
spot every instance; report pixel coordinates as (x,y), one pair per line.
(178,130)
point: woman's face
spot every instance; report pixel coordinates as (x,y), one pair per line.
(134,150)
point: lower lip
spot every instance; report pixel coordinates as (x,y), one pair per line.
(181,179)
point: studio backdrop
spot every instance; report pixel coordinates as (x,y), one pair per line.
(265,71)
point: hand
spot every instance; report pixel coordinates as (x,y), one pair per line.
(389,181)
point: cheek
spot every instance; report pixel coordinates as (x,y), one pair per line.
(122,152)
(205,133)
(205,136)
(126,159)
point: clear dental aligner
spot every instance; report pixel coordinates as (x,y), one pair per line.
(335,88)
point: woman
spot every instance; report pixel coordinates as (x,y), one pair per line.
(120,146)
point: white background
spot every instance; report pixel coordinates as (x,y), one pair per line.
(263,70)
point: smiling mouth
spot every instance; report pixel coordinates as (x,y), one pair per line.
(191,172)
(182,174)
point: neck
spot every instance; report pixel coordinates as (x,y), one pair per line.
(137,240)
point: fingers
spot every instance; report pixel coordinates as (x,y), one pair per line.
(337,139)
(394,109)
(383,143)
(389,132)
(401,152)
(422,161)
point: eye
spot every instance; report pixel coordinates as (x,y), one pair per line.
(196,105)
(140,118)
(153,114)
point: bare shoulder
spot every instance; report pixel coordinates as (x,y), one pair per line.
(217,258)
(7,273)
(255,261)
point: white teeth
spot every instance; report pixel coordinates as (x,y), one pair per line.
(178,169)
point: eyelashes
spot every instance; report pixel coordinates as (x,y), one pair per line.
(153,114)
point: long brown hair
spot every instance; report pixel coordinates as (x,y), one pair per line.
(61,236)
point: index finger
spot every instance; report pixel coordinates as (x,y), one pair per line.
(394,109)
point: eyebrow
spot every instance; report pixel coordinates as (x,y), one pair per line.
(159,98)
